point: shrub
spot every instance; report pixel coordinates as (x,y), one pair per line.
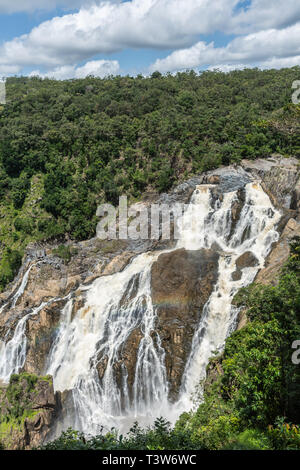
(63,252)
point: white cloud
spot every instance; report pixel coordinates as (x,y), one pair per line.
(14,6)
(111,27)
(267,30)
(98,68)
(265,47)
(9,69)
(265,14)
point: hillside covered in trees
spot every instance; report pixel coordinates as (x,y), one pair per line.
(66,146)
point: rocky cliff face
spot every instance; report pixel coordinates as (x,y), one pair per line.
(181,283)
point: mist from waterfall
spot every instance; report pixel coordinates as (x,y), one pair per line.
(116,305)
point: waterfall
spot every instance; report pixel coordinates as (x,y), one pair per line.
(13,352)
(91,341)
(99,330)
(13,301)
(258,220)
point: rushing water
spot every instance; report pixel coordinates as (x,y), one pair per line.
(116,305)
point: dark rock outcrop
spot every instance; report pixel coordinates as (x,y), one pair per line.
(40,331)
(182,282)
(246,260)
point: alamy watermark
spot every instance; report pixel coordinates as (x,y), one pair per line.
(2,91)
(296,94)
(142,222)
(296,354)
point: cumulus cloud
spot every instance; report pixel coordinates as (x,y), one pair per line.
(271,47)
(110,27)
(264,14)
(266,31)
(97,68)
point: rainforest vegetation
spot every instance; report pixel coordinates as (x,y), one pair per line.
(66,146)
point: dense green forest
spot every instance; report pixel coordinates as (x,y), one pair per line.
(253,402)
(66,146)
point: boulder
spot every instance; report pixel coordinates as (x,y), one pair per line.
(246,260)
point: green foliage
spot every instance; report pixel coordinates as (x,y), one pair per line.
(92,139)
(258,371)
(214,423)
(160,436)
(284,435)
(9,266)
(24,224)
(64,252)
(18,398)
(250,439)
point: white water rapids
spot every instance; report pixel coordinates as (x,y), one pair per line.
(117,304)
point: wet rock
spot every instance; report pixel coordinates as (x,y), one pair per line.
(236,209)
(213,372)
(41,330)
(246,260)
(236,275)
(182,282)
(125,367)
(64,415)
(279,177)
(118,263)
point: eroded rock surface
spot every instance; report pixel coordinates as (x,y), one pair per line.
(182,282)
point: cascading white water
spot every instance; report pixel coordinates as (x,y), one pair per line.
(13,352)
(118,304)
(13,301)
(22,287)
(100,329)
(254,232)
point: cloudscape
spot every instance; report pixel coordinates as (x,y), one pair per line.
(64,39)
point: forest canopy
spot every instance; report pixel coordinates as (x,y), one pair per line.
(66,146)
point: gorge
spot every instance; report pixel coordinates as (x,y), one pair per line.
(126,328)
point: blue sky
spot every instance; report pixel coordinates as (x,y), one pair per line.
(74,38)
